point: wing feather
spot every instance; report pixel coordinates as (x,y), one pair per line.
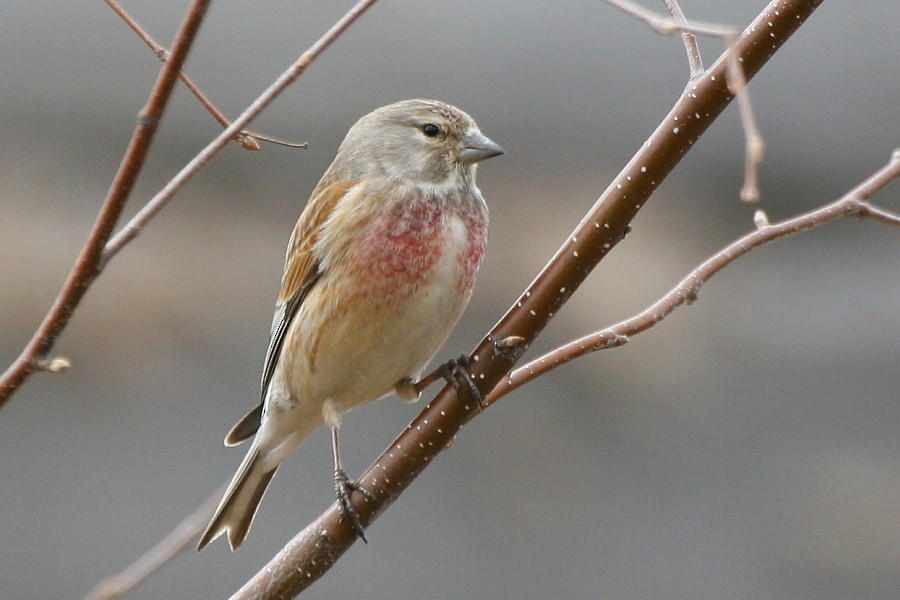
(301,271)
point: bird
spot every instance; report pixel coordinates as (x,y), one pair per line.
(378,270)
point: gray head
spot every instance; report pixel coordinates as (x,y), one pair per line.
(415,142)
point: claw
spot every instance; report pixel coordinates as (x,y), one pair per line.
(456,370)
(343,487)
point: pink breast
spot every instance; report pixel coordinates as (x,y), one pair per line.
(402,245)
(470,258)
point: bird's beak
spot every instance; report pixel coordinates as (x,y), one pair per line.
(478,147)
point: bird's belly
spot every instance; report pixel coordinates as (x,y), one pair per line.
(387,323)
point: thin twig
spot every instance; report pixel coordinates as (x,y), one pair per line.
(754,146)
(852,204)
(155,204)
(90,260)
(247,139)
(156,557)
(695,61)
(312,552)
(666,26)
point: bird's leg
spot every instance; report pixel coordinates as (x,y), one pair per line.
(343,487)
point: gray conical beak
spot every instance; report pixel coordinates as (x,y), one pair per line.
(479,147)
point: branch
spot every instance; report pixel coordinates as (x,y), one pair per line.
(246,139)
(315,549)
(853,203)
(90,261)
(666,26)
(116,586)
(695,61)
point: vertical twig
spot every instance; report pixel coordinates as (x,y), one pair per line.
(737,80)
(695,61)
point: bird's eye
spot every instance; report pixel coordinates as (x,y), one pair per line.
(431,130)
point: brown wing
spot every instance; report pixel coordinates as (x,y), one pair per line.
(301,271)
(300,262)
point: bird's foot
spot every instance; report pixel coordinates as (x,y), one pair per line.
(343,487)
(457,372)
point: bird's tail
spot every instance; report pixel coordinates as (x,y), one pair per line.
(238,506)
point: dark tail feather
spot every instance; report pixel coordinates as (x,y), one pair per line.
(238,506)
(246,427)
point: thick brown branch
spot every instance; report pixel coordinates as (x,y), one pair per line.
(314,550)
(89,262)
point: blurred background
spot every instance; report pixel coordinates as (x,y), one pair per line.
(745,448)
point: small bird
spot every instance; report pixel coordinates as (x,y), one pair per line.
(379,268)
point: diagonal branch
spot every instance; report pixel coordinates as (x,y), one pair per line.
(116,586)
(90,261)
(246,139)
(318,547)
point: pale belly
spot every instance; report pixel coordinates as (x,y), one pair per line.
(378,333)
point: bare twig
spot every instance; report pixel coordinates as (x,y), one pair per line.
(666,26)
(90,260)
(165,550)
(247,139)
(155,204)
(754,147)
(314,550)
(737,81)
(695,61)
(852,204)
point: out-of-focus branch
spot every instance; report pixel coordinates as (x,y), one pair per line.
(90,260)
(666,26)
(116,586)
(314,550)
(246,139)
(852,204)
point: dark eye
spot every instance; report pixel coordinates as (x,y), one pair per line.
(431,130)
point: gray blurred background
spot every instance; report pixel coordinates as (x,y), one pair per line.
(746,448)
